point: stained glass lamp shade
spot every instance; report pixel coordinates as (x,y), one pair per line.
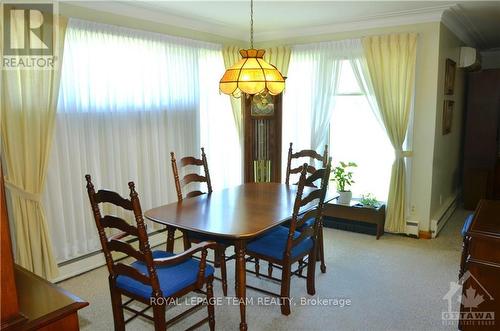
(252,75)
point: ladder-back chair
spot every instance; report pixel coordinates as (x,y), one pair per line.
(300,156)
(180,185)
(323,159)
(155,278)
(284,246)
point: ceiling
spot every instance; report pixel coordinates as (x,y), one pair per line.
(275,20)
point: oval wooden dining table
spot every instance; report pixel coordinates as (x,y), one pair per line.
(238,214)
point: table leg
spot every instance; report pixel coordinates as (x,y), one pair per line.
(240,247)
(170,239)
(379,230)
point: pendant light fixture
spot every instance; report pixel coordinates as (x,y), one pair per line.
(252,75)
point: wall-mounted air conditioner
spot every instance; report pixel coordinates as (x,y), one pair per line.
(470,59)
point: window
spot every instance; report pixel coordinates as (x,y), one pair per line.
(357,136)
(127,99)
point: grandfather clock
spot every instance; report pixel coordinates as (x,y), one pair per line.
(262,114)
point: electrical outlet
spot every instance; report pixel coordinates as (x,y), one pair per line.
(412,208)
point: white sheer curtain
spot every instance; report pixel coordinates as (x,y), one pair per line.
(219,134)
(312,82)
(127,99)
(329,99)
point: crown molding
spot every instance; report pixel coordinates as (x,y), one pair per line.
(407,17)
(137,11)
(220,29)
(457,21)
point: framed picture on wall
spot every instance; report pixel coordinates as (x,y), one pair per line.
(449,77)
(447,115)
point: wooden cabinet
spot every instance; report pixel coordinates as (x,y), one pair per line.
(481,144)
(480,270)
(11,318)
(29,302)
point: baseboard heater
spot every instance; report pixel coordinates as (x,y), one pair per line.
(94,260)
(438,222)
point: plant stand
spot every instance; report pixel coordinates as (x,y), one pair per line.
(355,213)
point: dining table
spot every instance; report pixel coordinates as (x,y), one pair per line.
(236,214)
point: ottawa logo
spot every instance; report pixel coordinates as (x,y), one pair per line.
(475,301)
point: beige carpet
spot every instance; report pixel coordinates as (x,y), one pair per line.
(395,283)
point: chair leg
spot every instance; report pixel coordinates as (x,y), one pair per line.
(223,270)
(159,317)
(321,250)
(257,267)
(185,240)
(210,306)
(116,303)
(269,269)
(285,289)
(311,271)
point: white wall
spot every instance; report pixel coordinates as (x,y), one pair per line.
(447,160)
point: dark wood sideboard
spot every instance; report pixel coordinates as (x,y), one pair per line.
(481,159)
(29,302)
(480,268)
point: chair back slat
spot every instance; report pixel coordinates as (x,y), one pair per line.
(125,270)
(191,177)
(114,198)
(190,160)
(193,194)
(307,153)
(113,244)
(316,175)
(310,169)
(299,217)
(114,222)
(314,195)
(125,248)
(300,156)
(310,214)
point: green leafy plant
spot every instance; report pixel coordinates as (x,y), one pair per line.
(369,200)
(342,176)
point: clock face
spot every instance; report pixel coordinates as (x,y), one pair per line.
(262,105)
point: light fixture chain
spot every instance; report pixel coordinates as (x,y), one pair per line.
(251,23)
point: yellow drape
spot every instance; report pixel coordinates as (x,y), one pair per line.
(231,55)
(391,62)
(278,56)
(28,105)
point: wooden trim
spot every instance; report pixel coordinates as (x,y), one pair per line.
(10,317)
(424,235)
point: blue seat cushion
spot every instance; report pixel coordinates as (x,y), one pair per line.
(273,244)
(206,237)
(172,278)
(467,223)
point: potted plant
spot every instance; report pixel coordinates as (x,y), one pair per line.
(343,177)
(369,201)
